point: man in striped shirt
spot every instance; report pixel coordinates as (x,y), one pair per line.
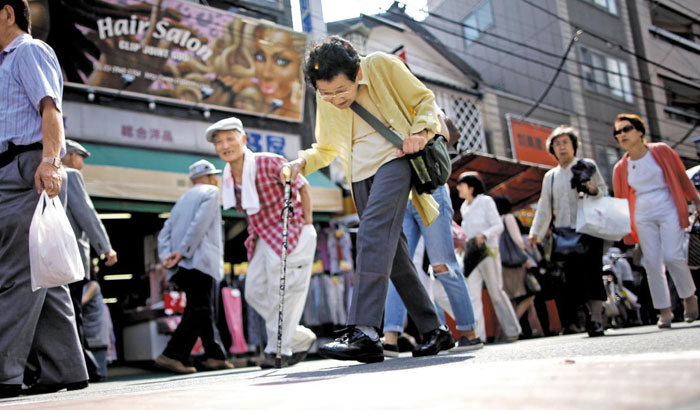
(31,145)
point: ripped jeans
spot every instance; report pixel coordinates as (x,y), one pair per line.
(438,242)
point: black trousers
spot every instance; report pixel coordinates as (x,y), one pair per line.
(199,319)
(584,279)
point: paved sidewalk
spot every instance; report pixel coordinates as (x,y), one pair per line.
(639,368)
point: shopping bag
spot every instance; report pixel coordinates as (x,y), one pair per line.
(53,251)
(234,319)
(606,218)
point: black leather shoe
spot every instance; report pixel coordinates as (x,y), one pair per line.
(9,390)
(354,345)
(435,342)
(53,388)
(595,329)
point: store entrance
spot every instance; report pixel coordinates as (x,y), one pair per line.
(134,288)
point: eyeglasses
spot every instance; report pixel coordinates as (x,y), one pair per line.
(561,142)
(625,129)
(329,97)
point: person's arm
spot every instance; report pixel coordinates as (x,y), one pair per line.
(41,78)
(495,226)
(596,186)
(89,292)
(514,230)
(306,204)
(686,184)
(322,152)
(86,217)
(47,176)
(543,212)
(417,97)
(164,241)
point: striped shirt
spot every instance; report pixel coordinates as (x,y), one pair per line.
(29,71)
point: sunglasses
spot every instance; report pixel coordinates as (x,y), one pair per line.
(625,129)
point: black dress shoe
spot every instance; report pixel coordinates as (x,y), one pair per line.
(595,329)
(435,342)
(9,390)
(354,345)
(53,388)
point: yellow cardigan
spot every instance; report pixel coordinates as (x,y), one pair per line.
(400,97)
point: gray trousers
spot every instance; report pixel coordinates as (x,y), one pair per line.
(42,321)
(382,250)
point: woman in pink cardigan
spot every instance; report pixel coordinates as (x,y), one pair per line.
(652,177)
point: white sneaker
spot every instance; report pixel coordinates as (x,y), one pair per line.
(302,341)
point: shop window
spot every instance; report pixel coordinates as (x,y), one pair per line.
(607,5)
(606,75)
(479,20)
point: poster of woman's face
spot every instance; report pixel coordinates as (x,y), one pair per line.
(173,49)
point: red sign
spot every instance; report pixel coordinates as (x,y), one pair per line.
(528,142)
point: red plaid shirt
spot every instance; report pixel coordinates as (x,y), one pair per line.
(267,223)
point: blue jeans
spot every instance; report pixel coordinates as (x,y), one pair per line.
(438,242)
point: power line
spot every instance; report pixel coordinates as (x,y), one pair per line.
(619,46)
(597,98)
(541,63)
(545,52)
(574,39)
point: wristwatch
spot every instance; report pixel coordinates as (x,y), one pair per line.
(55,161)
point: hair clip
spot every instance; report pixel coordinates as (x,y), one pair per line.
(316,66)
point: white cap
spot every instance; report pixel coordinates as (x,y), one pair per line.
(73,147)
(201,168)
(231,123)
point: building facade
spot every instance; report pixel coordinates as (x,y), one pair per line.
(540,69)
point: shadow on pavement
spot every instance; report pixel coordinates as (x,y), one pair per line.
(403,363)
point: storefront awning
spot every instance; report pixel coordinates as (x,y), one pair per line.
(136,174)
(520,181)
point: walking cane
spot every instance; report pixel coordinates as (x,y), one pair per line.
(287,211)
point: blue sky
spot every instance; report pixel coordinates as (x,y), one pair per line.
(334,10)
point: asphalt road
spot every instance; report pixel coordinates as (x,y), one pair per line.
(638,368)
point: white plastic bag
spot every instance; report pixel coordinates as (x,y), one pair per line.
(53,250)
(606,218)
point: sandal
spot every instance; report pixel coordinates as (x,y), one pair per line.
(690,313)
(664,322)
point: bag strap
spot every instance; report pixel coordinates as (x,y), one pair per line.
(551,202)
(377,124)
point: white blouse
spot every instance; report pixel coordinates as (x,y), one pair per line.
(650,188)
(481,217)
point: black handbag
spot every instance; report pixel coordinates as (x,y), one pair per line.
(511,254)
(694,245)
(430,167)
(473,255)
(565,241)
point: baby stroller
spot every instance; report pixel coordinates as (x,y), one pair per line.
(621,307)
